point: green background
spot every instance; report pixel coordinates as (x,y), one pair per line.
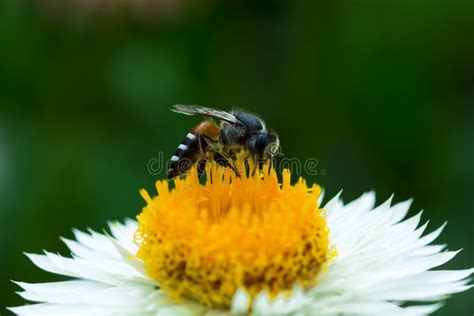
(381,92)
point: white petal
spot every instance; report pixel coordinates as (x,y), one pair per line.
(86,292)
(46,309)
(124,236)
(240,302)
(424,309)
(107,271)
(285,303)
(382,261)
(400,210)
(95,241)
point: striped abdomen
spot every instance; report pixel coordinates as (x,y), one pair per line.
(192,148)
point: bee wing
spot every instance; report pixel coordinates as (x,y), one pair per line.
(201,110)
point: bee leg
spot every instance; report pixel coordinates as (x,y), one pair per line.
(228,161)
(208,142)
(201,166)
(225,162)
(271,166)
(203,147)
(257,165)
(219,156)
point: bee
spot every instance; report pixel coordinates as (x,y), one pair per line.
(238,132)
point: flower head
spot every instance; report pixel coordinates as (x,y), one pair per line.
(249,244)
(205,241)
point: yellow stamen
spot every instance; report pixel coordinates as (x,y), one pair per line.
(204,241)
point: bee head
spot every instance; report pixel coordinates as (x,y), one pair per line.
(264,145)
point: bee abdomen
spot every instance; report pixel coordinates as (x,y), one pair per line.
(183,157)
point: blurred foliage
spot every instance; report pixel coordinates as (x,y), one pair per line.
(380,92)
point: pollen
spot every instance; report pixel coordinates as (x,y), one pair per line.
(203,240)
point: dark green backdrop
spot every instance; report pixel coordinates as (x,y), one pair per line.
(381,92)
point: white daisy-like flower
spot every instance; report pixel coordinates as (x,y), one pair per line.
(250,245)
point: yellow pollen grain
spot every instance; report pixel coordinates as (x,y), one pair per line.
(204,241)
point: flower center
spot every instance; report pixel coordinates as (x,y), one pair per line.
(204,241)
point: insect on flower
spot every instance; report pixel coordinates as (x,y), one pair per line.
(238,132)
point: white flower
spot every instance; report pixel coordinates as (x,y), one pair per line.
(383,262)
